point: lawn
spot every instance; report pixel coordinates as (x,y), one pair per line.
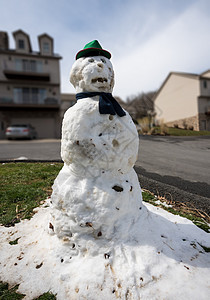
(7,293)
(23,186)
(180,132)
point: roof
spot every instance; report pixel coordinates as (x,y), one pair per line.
(188,75)
(205,74)
(45,35)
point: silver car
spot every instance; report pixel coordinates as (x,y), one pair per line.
(20,131)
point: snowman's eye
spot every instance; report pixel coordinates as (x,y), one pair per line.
(91,60)
(103,60)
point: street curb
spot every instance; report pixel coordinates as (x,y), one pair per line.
(174,193)
(30,161)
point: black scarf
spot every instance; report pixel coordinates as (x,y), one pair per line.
(107,103)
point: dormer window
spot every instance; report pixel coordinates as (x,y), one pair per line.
(21,44)
(45,44)
(46,47)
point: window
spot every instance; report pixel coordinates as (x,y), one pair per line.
(28,65)
(25,95)
(42,95)
(29,95)
(205,84)
(34,95)
(17,95)
(203,125)
(46,47)
(21,44)
(39,66)
(18,65)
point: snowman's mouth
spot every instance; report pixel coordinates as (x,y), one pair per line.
(99,79)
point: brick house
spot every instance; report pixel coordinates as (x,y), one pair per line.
(184,100)
(29,84)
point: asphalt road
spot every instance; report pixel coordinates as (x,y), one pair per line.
(184,157)
(30,149)
(175,167)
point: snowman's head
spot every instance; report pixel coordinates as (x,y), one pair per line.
(92,74)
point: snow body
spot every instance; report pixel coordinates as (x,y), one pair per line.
(96,196)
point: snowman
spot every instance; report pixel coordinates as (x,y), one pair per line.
(96,197)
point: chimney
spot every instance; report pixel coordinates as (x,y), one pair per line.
(4,41)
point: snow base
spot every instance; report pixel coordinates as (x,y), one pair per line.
(162,259)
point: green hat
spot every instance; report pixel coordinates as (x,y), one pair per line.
(93,49)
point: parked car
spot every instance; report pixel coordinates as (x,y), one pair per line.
(18,131)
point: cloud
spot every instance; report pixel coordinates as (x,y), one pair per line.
(181,46)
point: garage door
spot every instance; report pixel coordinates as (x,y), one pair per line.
(45,127)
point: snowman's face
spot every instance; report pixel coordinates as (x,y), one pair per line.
(92,74)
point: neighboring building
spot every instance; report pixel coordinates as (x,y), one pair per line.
(184,100)
(67,100)
(29,85)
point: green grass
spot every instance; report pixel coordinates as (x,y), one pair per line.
(15,242)
(206,249)
(46,296)
(7,293)
(181,132)
(22,187)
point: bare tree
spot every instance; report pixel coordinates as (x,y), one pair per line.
(141,105)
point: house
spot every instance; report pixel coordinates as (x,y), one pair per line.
(67,100)
(184,100)
(30,84)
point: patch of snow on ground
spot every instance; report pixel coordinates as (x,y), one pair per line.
(162,259)
(163,203)
(21,158)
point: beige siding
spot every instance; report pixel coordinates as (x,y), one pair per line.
(53,68)
(178,98)
(49,66)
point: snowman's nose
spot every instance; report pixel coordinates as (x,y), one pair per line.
(100,64)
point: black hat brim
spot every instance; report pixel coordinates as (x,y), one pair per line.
(93,52)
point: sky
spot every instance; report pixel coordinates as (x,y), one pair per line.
(147,39)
